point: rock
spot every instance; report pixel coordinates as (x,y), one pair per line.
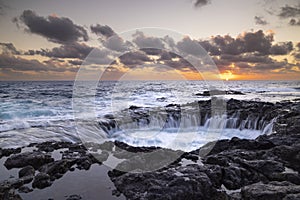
(35,159)
(41,180)
(51,146)
(26,171)
(84,163)
(219,92)
(25,189)
(9,151)
(270,191)
(9,195)
(190,182)
(57,167)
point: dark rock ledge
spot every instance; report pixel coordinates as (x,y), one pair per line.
(266,168)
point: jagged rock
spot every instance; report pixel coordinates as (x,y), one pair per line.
(219,92)
(190,182)
(41,180)
(57,167)
(26,171)
(35,159)
(9,151)
(25,189)
(270,191)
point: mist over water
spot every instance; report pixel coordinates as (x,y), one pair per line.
(41,111)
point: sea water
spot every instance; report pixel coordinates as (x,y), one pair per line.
(37,111)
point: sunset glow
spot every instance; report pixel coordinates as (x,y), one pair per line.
(228,75)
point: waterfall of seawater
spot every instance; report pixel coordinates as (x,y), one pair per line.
(187,122)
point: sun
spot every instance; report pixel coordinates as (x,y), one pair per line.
(227,75)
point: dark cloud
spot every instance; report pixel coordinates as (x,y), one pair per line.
(282,48)
(143,41)
(250,64)
(247,57)
(200,3)
(297,56)
(294,22)
(296,53)
(249,42)
(212,49)
(73,50)
(134,58)
(55,29)
(167,55)
(228,45)
(180,64)
(75,62)
(189,46)
(20,64)
(260,21)
(102,30)
(258,42)
(152,51)
(9,48)
(289,11)
(116,43)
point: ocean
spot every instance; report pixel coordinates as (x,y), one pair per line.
(38,111)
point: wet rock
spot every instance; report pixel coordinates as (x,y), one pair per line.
(270,191)
(26,171)
(57,167)
(191,182)
(41,180)
(9,194)
(84,163)
(35,159)
(9,151)
(219,92)
(25,189)
(51,146)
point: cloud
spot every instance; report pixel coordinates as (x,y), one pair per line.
(282,48)
(294,22)
(99,57)
(247,57)
(73,50)
(260,21)
(289,11)
(55,29)
(248,42)
(9,48)
(75,62)
(133,59)
(212,49)
(143,41)
(298,46)
(20,64)
(200,3)
(116,43)
(190,46)
(102,30)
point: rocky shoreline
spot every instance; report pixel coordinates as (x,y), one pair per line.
(265,168)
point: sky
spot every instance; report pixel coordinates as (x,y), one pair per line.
(137,39)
